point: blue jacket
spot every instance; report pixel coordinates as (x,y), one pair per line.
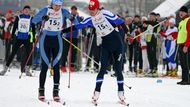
(38,18)
(21,35)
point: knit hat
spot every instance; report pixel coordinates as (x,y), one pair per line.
(93,4)
(184,9)
(26,7)
(57,2)
(172,20)
(153,13)
(9,12)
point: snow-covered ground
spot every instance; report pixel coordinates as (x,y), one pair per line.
(145,92)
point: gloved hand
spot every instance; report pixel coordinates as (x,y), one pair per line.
(72,18)
(130,39)
(169,37)
(81,19)
(45,17)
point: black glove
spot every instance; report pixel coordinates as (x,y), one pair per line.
(67,30)
(81,19)
(72,18)
(46,17)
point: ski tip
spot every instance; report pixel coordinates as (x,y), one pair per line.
(48,102)
(95,102)
(124,103)
(64,103)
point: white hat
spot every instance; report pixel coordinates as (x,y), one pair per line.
(172,20)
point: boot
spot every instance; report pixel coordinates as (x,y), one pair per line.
(5,69)
(140,73)
(56,95)
(121,95)
(168,73)
(149,73)
(27,71)
(95,95)
(130,68)
(155,73)
(63,69)
(72,69)
(174,73)
(41,95)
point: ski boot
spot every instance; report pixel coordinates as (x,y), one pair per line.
(27,71)
(5,69)
(56,95)
(41,95)
(95,95)
(122,98)
(121,95)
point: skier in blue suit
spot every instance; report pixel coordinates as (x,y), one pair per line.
(51,43)
(105,24)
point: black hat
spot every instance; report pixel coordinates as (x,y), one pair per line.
(184,9)
(158,14)
(73,7)
(27,6)
(153,13)
(137,16)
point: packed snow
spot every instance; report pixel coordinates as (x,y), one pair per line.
(145,92)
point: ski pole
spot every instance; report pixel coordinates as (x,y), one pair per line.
(149,29)
(70,55)
(88,56)
(80,51)
(90,46)
(35,43)
(176,53)
(128,86)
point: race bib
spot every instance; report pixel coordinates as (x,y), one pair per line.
(24,25)
(102,25)
(55,21)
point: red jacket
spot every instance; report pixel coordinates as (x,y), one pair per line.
(7,34)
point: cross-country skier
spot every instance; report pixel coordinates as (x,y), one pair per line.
(51,43)
(105,24)
(22,24)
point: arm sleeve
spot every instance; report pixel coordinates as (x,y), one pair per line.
(67,30)
(33,31)
(15,26)
(124,28)
(33,28)
(187,43)
(38,17)
(114,19)
(84,23)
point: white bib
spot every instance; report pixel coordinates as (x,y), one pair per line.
(55,22)
(102,25)
(24,25)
